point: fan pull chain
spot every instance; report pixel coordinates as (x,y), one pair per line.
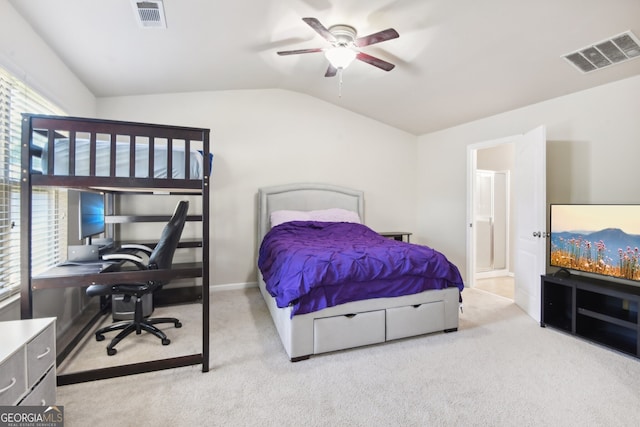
(340,82)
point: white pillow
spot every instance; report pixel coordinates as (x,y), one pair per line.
(323,215)
(279,217)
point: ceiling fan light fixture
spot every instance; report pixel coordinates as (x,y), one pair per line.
(345,46)
(340,57)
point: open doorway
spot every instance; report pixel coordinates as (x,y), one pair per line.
(490,199)
(527,252)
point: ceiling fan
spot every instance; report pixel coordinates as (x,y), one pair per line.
(344,46)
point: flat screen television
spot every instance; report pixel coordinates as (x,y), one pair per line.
(596,239)
(90,215)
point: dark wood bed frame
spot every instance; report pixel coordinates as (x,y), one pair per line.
(51,127)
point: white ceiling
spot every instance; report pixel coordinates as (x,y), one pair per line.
(456,60)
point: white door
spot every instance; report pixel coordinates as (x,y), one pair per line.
(530,196)
(475,230)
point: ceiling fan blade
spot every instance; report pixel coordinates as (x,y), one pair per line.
(381,36)
(299,51)
(376,62)
(331,71)
(320,29)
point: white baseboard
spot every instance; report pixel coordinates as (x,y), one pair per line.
(493,273)
(232,286)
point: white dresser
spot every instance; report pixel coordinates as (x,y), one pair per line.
(28,362)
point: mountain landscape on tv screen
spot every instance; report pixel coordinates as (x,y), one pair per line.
(610,251)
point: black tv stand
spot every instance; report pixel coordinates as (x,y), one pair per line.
(597,310)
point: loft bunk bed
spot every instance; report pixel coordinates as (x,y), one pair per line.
(117,158)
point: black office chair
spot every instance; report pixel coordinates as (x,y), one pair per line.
(161,257)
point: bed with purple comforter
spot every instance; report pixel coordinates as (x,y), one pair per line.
(331,283)
(312,265)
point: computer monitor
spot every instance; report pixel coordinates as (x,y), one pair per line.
(90,215)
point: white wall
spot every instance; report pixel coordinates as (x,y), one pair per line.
(28,57)
(271,137)
(593,147)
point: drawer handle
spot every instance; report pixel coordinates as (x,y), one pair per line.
(13,382)
(47,351)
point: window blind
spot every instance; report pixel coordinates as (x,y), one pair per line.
(49,227)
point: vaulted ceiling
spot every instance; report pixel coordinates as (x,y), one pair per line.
(456,60)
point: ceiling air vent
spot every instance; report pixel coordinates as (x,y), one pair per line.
(149,14)
(615,50)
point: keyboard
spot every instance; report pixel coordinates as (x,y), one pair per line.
(97,263)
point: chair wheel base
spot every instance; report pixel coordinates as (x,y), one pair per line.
(128,328)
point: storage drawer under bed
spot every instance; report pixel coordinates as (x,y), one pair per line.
(413,320)
(352,330)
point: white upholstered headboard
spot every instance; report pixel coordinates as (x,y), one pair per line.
(305,197)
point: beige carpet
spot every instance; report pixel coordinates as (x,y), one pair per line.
(499,369)
(92,354)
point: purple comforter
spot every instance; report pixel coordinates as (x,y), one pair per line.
(313,265)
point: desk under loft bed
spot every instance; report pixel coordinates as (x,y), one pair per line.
(119,159)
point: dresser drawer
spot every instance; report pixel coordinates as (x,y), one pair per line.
(41,354)
(13,378)
(415,320)
(43,394)
(338,332)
